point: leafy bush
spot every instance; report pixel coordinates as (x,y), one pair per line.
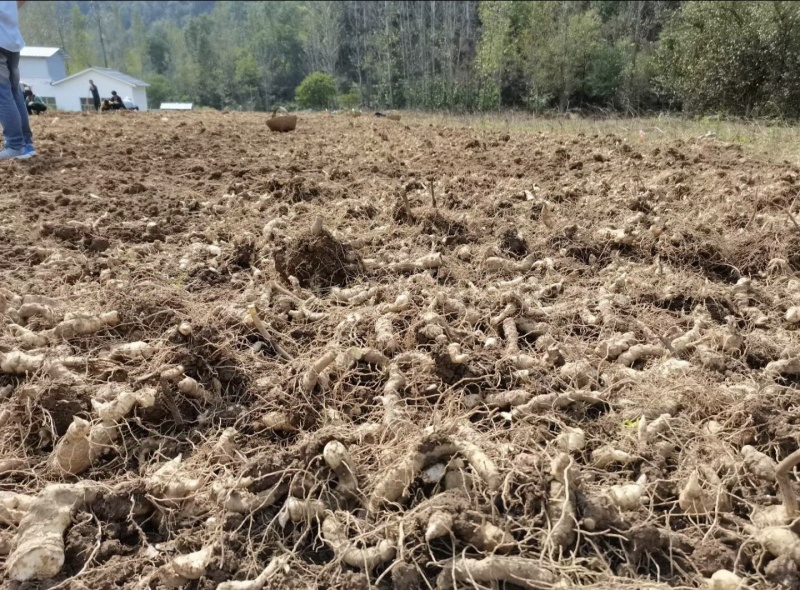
(316,91)
(605,73)
(538,103)
(159,90)
(350,100)
(489,96)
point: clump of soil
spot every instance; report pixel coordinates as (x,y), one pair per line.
(513,244)
(451,231)
(317,260)
(295,190)
(62,403)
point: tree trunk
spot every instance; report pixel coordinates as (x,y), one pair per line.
(98,16)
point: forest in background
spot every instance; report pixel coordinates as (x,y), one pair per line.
(738,58)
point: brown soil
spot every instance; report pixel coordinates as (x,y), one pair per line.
(316,261)
(513,244)
(628,237)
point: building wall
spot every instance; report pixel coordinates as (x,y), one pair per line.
(34,67)
(139,97)
(41,86)
(57,67)
(68,96)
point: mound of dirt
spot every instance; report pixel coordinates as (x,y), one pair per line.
(513,244)
(317,260)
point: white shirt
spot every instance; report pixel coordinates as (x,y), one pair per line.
(10,37)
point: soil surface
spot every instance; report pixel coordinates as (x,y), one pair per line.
(338,333)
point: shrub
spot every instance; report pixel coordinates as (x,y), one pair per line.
(350,100)
(316,91)
(159,91)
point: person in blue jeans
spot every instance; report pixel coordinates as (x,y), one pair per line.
(17,135)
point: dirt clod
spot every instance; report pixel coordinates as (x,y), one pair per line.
(316,261)
(513,244)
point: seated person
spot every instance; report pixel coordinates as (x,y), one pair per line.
(116,101)
(33,102)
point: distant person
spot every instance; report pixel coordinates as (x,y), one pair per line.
(13,110)
(116,101)
(33,102)
(95,95)
(129,104)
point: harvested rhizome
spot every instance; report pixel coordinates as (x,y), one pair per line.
(386,355)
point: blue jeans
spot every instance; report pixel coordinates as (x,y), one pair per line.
(13,112)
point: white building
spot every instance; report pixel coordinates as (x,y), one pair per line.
(44,69)
(72,93)
(39,67)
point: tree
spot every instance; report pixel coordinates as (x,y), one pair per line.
(203,66)
(137,43)
(351,99)
(444,54)
(741,58)
(98,15)
(45,23)
(322,36)
(80,44)
(274,40)
(158,50)
(159,90)
(248,79)
(496,22)
(316,91)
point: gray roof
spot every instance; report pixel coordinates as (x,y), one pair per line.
(116,74)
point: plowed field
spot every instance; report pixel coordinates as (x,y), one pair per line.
(394,354)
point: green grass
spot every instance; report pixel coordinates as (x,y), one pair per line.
(776,141)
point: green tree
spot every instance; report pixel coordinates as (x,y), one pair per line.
(158,49)
(736,57)
(203,66)
(46,23)
(160,90)
(247,78)
(275,40)
(587,48)
(495,19)
(316,91)
(136,54)
(79,49)
(606,73)
(351,99)
(434,54)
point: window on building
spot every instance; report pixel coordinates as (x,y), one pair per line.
(87,104)
(50,101)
